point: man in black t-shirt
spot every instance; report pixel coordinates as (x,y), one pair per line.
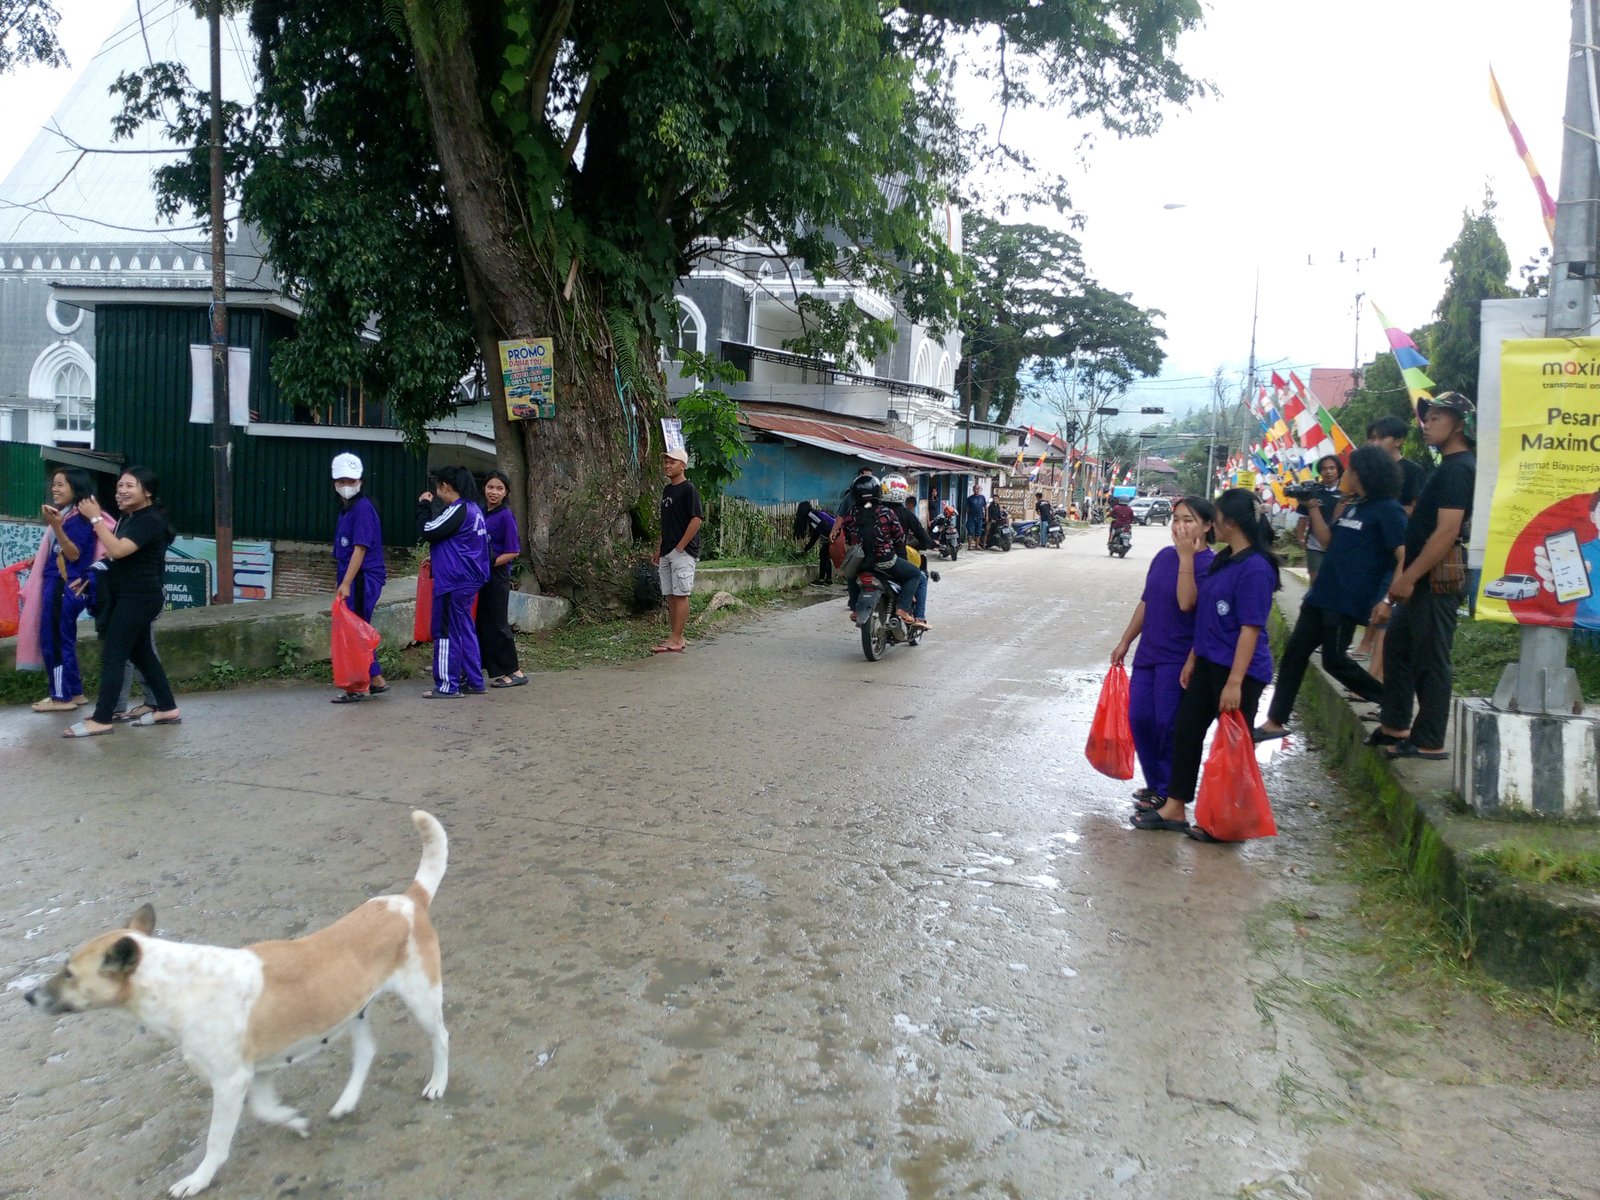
(681,517)
(1416,661)
(1390,433)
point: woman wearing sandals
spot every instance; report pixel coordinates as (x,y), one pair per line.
(138,553)
(1231,663)
(1164,624)
(66,553)
(495,638)
(450,521)
(358,559)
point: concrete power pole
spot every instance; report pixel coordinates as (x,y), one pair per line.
(1541,681)
(221,430)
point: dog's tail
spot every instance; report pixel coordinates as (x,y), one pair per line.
(435,851)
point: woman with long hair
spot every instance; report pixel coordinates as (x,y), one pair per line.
(1163,622)
(495,639)
(1231,663)
(818,522)
(66,553)
(450,521)
(1366,544)
(138,553)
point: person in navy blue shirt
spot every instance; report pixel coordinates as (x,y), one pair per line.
(451,522)
(1365,546)
(358,559)
(498,643)
(69,555)
(1231,663)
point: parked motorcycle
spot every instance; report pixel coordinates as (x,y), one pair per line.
(1000,538)
(1027,534)
(1121,542)
(946,539)
(875,615)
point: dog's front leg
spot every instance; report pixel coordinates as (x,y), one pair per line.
(227,1102)
(364,1046)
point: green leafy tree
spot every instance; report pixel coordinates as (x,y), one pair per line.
(710,421)
(1382,394)
(28,35)
(1032,305)
(1479,269)
(551,167)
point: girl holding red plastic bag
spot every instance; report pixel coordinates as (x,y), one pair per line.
(1231,663)
(1164,624)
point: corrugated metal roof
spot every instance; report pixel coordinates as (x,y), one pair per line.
(56,193)
(866,444)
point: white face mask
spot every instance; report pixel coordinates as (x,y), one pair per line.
(349,493)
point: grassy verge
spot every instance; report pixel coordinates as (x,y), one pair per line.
(1541,862)
(1483,649)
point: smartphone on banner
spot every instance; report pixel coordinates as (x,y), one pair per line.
(1566,566)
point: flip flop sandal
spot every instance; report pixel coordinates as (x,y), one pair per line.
(1200,835)
(1379,738)
(50,706)
(472,691)
(375,690)
(1259,735)
(80,729)
(348,698)
(441,695)
(1408,749)
(1369,717)
(510,681)
(149,719)
(1149,804)
(676,649)
(133,714)
(1150,821)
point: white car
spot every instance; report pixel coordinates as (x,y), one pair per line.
(1513,587)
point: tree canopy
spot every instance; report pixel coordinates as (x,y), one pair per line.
(1031,303)
(28,35)
(1479,268)
(453,172)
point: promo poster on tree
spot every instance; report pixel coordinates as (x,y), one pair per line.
(528,371)
(1541,563)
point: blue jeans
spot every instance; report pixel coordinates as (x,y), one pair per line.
(913,583)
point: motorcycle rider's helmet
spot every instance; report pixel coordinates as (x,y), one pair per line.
(866,489)
(895,489)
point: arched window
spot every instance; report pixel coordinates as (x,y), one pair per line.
(74,400)
(922,372)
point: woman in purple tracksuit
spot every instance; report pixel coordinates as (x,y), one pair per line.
(65,591)
(1164,624)
(454,527)
(495,638)
(358,559)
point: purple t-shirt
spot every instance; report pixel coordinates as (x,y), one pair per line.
(359,526)
(504,537)
(1235,592)
(1168,632)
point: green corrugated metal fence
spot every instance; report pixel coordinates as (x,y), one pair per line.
(22,480)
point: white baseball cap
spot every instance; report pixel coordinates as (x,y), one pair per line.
(346,466)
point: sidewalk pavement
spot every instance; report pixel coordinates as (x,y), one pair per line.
(1525,934)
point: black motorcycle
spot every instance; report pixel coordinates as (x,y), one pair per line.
(875,615)
(1027,534)
(946,539)
(1000,537)
(1121,542)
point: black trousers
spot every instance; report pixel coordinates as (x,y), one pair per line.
(1416,665)
(1330,631)
(495,639)
(825,563)
(1196,711)
(127,639)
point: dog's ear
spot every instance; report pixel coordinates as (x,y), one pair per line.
(122,958)
(143,921)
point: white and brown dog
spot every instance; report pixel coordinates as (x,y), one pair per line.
(239,1015)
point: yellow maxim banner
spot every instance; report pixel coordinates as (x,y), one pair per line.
(1541,563)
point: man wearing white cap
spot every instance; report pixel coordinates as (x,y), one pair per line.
(358,558)
(681,517)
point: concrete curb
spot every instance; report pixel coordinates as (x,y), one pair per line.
(261,635)
(1526,935)
(737,579)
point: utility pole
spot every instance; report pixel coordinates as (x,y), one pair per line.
(221,430)
(1541,681)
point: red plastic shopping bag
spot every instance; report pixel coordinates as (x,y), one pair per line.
(1232,805)
(422,627)
(354,642)
(11,600)
(1110,748)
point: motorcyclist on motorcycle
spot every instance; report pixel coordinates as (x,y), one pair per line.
(896,494)
(1121,518)
(998,517)
(875,526)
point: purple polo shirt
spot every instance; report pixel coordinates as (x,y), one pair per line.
(504,537)
(359,526)
(1168,633)
(1235,592)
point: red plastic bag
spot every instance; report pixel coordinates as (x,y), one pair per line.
(354,642)
(1232,805)
(1110,748)
(422,627)
(11,599)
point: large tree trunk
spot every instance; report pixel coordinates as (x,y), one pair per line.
(583,473)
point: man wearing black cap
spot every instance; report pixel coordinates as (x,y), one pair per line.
(1422,601)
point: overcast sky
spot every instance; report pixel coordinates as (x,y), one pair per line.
(1360,127)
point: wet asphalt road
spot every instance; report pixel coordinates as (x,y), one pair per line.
(763,919)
